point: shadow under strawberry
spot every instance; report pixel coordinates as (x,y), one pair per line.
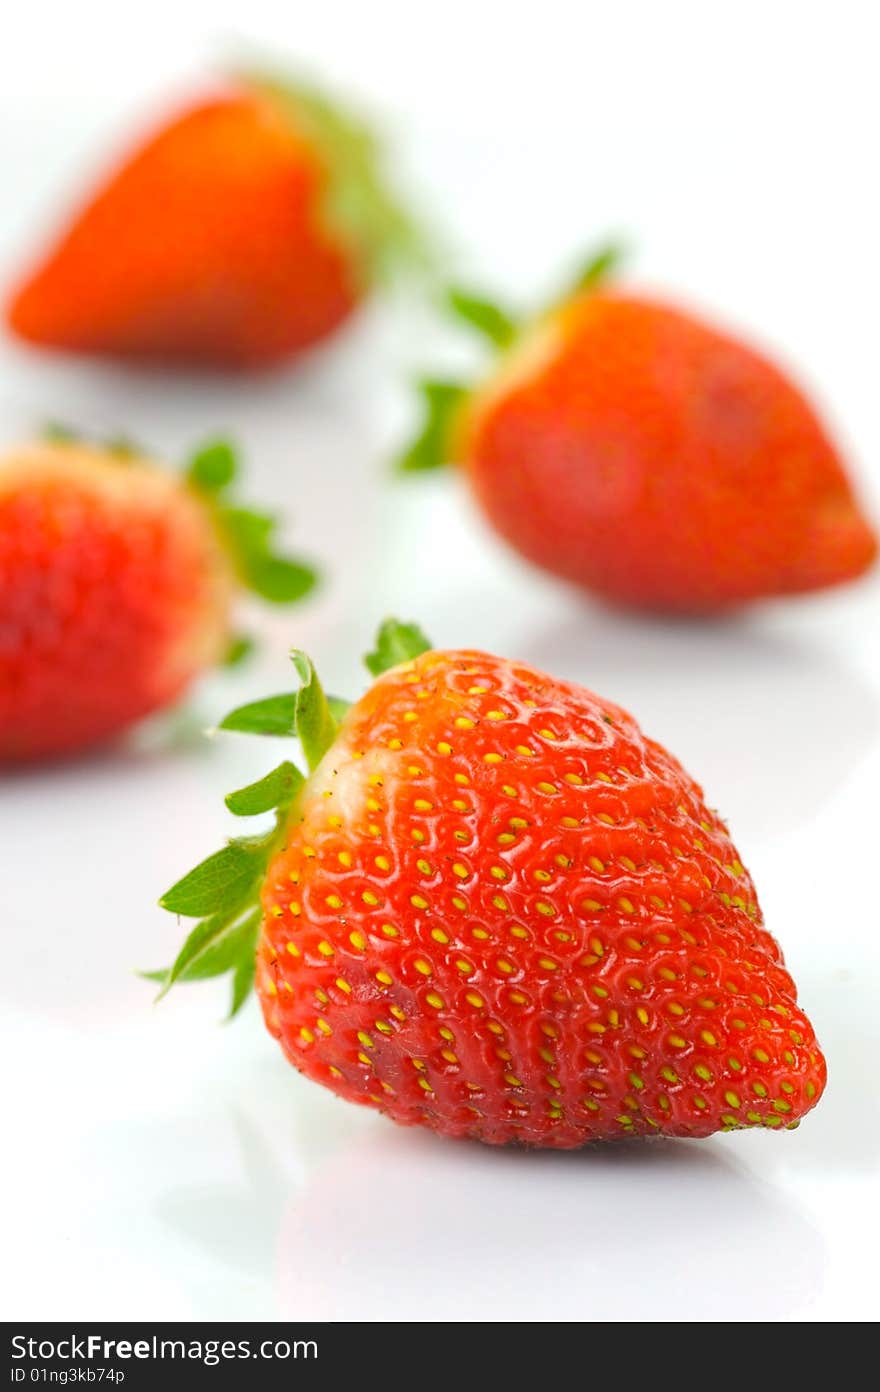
(401,1227)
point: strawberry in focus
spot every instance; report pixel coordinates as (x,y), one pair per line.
(244,231)
(117,585)
(496,909)
(649,458)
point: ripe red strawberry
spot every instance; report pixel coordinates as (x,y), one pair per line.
(243,231)
(642,454)
(496,909)
(117,584)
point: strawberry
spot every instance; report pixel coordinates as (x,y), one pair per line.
(626,446)
(242,232)
(496,909)
(116,587)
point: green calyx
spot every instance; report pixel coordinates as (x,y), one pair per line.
(223,892)
(597,269)
(120,448)
(500,327)
(249,536)
(431,447)
(497,325)
(359,206)
(442,401)
(396,642)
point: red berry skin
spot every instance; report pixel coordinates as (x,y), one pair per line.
(207,247)
(114,594)
(654,461)
(504,913)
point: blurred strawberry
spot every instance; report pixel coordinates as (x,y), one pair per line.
(632,449)
(117,584)
(244,231)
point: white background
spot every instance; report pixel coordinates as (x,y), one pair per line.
(155,1165)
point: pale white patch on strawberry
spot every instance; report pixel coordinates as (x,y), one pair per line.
(343,782)
(533,350)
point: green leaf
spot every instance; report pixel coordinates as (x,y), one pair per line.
(358,203)
(275,715)
(242,983)
(223,879)
(290,712)
(315,725)
(223,893)
(278,580)
(123,448)
(601,265)
(57,433)
(213,466)
(431,447)
(493,322)
(339,708)
(236,945)
(248,530)
(277,789)
(241,645)
(224,949)
(206,951)
(396,642)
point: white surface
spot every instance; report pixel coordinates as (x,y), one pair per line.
(157,1166)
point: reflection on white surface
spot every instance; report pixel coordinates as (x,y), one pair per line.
(444,1231)
(187,1170)
(844,1133)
